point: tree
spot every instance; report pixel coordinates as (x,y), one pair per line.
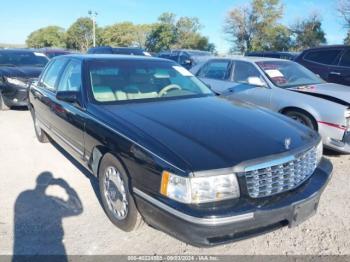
(256,27)
(308,32)
(171,32)
(121,34)
(162,37)
(344,10)
(80,34)
(51,36)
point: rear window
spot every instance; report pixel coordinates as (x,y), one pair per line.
(326,57)
(23,59)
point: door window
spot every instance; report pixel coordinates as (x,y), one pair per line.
(243,71)
(345,60)
(52,74)
(71,78)
(219,70)
(326,57)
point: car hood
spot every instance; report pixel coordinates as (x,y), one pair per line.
(330,91)
(21,72)
(210,133)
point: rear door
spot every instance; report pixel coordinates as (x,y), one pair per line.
(44,91)
(321,62)
(217,74)
(341,73)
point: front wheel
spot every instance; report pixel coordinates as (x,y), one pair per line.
(302,118)
(117,199)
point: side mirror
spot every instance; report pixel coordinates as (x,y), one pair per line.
(256,81)
(68,96)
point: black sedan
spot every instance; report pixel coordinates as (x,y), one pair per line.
(169,152)
(17,69)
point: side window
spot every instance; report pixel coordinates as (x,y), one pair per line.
(52,74)
(326,57)
(219,70)
(345,60)
(243,71)
(71,78)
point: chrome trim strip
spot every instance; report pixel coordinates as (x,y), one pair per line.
(213,221)
(274,162)
(144,148)
(81,153)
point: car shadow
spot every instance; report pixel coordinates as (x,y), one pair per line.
(331,153)
(38,229)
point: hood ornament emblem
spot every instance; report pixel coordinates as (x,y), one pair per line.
(287,143)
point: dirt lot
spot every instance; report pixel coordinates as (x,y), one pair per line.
(88,231)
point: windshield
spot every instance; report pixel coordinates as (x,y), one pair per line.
(23,59)
(288,74)
(113,81)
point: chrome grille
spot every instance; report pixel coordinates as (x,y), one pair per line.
(281,176)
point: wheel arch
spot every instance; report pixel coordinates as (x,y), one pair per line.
(311,115)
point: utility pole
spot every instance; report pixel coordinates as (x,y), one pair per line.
(93,15)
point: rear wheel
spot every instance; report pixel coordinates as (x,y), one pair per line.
(40,134)
(116,196)
(302,118)
(3,105)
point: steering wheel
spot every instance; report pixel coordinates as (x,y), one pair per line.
(166,89)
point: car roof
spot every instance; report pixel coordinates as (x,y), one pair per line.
(91,57)
(14,50)
(326,47)
(251,59)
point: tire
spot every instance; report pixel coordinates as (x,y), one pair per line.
(303,118)
(3,106)
(40,134)
(117,200)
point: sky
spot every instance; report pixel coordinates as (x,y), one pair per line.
(19,18)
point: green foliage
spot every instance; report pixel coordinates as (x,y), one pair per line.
(80,34)
(125,34)
(308,33)
(51,36)
(171,33)
(257,27)
(162,37)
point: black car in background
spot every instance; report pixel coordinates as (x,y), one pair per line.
(167,150)
(331,63)
(17,68)
(186,58)
(274,54)
(107,50)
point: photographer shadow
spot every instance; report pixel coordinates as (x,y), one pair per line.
(38,228)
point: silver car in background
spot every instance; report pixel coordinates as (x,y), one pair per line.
(286,87)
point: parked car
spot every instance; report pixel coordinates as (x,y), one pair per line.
(186,58)
(17,68)
(331,63)
(118,51)
(274,54)
(286,87)
(53,52)
(167,150)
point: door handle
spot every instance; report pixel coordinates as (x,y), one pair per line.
(335,73)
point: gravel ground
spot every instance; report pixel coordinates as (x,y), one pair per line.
(88,231)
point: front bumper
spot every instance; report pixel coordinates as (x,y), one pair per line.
(15,96)
(342,146)
(290,209)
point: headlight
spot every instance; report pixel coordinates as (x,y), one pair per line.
(199,189)
(16,82)
(319,152)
